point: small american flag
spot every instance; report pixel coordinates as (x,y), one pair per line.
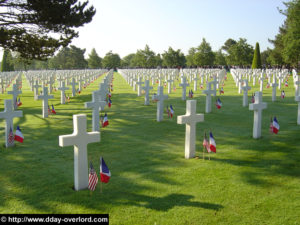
(11,137)
(93,178)
(206,143)
(271,126)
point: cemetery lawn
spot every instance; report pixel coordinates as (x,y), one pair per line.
(247,182)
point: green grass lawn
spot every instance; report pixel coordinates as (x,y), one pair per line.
(247,182)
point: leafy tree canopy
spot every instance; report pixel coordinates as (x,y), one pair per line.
(94,61)
(172,58)
(111,60)
(37,28)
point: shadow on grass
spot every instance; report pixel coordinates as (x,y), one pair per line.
(136,148)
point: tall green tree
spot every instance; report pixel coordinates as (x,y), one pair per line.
(190,57)
(111,60)
(240,54)
(37,28)
(291,38)
(145,58)
(228,43)
(172,58)
(127,61)
(7,61)
(256,62)
(204,55)
(94,61)
(265,57)
(69,58)
(220,58)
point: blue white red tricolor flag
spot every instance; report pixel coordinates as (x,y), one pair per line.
(18,135)
(222,90)
(53,110)
(19,103)
(275,125)
(218,104)
(104,171)
(212,143)
(105,121)
(171,111)
(286,84)
(93,178)
(109,102)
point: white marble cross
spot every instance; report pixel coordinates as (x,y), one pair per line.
(160,97)
(184,84)
(208,92)
(45,97)
(147,88)
(73,84)
(97,106)
(139,84)
(80,139)
(62,89)
(9,114)
(240,81)
(214,83)
(36,89)
(195,82)
(274,85)
(190,119)
(261,83)
(257,107)
(15,92)
(245,88)
(297,99)
(170,81)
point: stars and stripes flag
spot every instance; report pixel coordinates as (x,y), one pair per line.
(282,94)
(218,104)
(53,110)
(275,125)
(109,94)
(10,137)
(252,99)
(212,143)
(206,143)
(191,94)
(286,83)
(171,111)
(168,111)
(19,103)
(18,135)
(271,126)
(104,171)
(105,121)
(93,178)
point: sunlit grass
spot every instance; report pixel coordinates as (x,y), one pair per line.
(247,182)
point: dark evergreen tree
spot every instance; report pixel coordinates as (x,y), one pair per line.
(256,62)
(27,26)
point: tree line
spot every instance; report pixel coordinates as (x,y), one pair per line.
(286,51)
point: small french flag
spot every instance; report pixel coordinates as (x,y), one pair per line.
(275,126)
(104,171)
(18,135)
(212,143)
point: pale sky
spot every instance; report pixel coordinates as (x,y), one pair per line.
(124,26)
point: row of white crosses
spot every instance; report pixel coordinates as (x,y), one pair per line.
(7,78)
(80,138)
